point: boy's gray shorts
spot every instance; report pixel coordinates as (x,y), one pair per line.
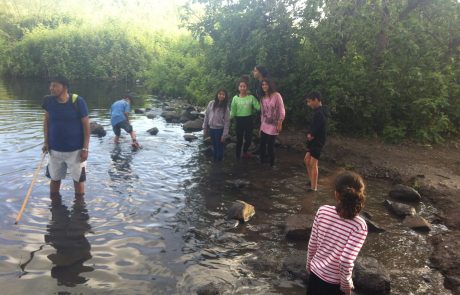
(60,162)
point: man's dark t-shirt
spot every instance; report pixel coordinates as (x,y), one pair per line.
(65,129)
(318,127)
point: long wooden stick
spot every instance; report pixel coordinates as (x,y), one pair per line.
(30,189)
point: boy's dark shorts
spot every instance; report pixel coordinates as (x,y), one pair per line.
(122,125)
(314,150)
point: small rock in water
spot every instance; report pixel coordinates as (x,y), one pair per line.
(241,211)
(405,193)
(139,111)
(153,131)
(97,129)
(400,209)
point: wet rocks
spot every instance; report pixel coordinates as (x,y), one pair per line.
(417,222)
(241,211)
(97,129)
(370,276)
(195,125)
(139,111)
(405,193)
(400,209)
(446,257)
(153,131)
(299,226)
(190,137)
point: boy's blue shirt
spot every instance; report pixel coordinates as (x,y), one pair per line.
(118,110)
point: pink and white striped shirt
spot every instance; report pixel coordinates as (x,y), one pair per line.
(334,245)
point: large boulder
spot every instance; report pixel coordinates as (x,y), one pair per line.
(188,115)
(417,222)
(371,277)
(170,116)
(97,129)
(400,209)
(299,226)
(405,193)
(195,125)
(241,211)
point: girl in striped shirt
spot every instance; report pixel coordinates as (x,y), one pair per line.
(336,238)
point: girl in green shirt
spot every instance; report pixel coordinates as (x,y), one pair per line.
(243,107)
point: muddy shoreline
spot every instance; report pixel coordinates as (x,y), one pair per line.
(433,170)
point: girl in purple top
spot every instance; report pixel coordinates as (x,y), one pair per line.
(216,123)
(271,120)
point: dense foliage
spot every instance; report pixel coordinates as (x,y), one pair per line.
(386,68)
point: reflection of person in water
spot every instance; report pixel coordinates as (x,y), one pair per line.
(66,233)
(121,165)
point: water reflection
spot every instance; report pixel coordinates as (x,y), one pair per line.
(66,233)
(121,165)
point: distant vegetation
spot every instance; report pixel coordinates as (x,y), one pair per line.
(386,68)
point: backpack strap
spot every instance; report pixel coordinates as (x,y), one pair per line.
(74,97)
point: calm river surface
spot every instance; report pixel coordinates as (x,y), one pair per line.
(153,220)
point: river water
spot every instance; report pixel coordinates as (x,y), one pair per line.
(153,220)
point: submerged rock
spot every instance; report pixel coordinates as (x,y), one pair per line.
(97,129)
(209,289)
(299,226)
(190,137)
(405,193)
(400,209)
(371,277)
(417,222)
(239,183)
(241,211)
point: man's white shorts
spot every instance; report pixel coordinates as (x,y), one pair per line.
(60,162)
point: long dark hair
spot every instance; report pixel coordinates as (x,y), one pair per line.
(217,103)
(350,188)
(263,71)
(271,86)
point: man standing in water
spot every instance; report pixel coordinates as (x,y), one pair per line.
(119,118)
(66,130)
(316,138)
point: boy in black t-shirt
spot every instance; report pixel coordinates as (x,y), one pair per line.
(316,137)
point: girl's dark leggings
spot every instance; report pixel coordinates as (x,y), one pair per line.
(243,129)
(267,142)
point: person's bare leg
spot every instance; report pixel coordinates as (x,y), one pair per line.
(134,139)
(314,173)
(307,161)
(55,186)
(79,188)
(116,139)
